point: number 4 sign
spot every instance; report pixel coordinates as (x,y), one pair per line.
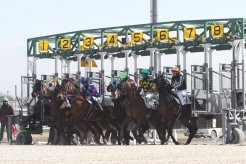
(112,39)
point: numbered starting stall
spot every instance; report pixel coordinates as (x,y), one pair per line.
(156,41)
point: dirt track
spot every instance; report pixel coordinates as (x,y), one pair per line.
(200,151)
(124,154)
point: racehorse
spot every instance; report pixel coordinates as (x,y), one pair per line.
(169,110)
(59,107)
(134,106)
(83,111)
(68,87)
(37,89)
(119,113)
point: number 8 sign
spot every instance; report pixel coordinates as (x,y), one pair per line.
(217,30)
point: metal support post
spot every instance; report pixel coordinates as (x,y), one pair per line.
(112,62)
(178,49)
(78,67)
(155,62)
(242,43)
(29,66)
(152,60)
(224,126)
(56,65)
(102,74)
(135,58)
(127,52)
(63,67)
(184,63)
(10,122)
(233,79)
(68,62)
(159,62)
(206,50)
(89,64)
(34,70)
(210,68)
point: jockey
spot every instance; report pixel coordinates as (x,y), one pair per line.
(145,90)
(91,93)
(124,78)
(179,86)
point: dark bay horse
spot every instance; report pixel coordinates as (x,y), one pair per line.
(67,87)
(60,108)
(83,111)
(169,110)
(134,106)
(119,113)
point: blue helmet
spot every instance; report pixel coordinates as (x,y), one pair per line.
(84,79)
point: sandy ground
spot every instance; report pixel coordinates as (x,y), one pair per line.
(202,150)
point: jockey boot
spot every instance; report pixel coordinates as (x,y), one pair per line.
(98,107)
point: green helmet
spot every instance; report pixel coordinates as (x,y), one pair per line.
(123,75)
(144,71)
(5,99)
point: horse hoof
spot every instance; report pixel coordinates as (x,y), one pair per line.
(105,141)
(177,143)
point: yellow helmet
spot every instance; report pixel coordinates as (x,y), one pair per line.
(175,69)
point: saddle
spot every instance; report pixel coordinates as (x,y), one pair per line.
(94,104)
(150,103)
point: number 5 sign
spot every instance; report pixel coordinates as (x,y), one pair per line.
(137,37)
(217,30)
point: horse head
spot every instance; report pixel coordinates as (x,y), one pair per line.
(51,87)
(161,83)
(126,88)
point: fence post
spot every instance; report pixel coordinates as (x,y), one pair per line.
(10,121)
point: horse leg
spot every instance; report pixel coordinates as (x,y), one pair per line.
(94,131)
(191,125)
(109,128)
(123,126)
(170,131)
(134,131)
(116,125)
(162,135)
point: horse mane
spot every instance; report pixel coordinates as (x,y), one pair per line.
(70,86)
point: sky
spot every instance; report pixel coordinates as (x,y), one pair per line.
(24,19)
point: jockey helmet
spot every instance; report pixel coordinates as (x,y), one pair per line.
(84,79)
(144,71)
(123,75)
(5,99)
(175,69)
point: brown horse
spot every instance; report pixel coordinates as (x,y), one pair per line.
(134,106)
(120,114)
(71,90)
(59,107)
(83,111)
(169,110)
